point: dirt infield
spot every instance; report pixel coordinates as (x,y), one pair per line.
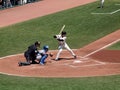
(100,64)
(33,10)
(92,60)
(98,61)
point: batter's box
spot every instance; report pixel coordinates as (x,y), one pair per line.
(87,63)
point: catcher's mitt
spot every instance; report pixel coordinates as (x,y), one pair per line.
(51,54)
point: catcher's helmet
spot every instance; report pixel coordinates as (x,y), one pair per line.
(45,47)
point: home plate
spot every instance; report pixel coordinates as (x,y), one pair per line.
(77,61)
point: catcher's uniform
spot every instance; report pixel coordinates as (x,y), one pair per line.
(42,55)
(62,44)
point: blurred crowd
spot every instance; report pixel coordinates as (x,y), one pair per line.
(11,3)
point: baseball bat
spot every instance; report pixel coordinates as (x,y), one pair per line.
(62,29)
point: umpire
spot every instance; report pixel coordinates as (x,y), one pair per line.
(30,54)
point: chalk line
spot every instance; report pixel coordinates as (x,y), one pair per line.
(108,13)
(101,48)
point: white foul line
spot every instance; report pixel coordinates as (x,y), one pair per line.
(100,13)
(117,4)
(101,48)
(115,11)
(108,13)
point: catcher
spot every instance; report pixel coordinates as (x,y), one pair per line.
(43,54)
(62,44)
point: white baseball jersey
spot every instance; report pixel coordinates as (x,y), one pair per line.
(61,40)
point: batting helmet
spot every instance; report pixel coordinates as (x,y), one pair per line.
(64,33)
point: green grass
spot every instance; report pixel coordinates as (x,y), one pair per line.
(93,83)
(82,28)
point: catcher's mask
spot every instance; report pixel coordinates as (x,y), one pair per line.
(46,47)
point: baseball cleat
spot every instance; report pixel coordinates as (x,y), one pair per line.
(19,63)
(75,57)
(42,63)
